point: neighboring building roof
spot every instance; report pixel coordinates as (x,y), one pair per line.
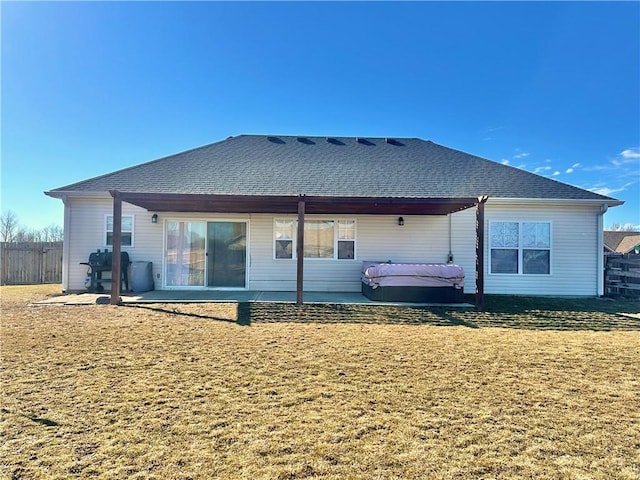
(621,242)
(331,166)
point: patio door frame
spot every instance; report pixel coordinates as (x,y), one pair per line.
(205,221)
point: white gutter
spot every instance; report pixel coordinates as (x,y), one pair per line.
(495,200)
(555,201)
(77,194)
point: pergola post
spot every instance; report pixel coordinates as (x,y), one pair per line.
(300,252)
(480,252)
(117,242)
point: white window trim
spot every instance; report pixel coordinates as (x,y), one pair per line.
(105,231)
(336,234)
(520,248)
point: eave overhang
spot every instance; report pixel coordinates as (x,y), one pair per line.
(288,204)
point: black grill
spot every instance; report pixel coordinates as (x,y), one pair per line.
(101,262)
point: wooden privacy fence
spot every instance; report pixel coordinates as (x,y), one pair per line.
(30,263)
(622,275)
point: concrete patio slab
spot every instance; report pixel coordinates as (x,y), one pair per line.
(235,296)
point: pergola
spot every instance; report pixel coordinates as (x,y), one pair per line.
(300,205)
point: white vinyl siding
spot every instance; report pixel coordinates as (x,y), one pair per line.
(574,250)
(86,221)
(422,239)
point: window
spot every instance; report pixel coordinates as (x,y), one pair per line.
(328,239)
(520,248)
(127,230)
(284,231)
(346,239)
(318,239)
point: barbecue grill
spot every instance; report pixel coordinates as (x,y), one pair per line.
(101,262)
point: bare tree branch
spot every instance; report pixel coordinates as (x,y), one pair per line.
(9,225)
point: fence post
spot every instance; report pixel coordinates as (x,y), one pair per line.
(622,275)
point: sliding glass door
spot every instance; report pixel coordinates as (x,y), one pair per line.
(199,254)
(185,254)
(226,254)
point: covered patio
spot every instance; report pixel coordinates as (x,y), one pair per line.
(300,205)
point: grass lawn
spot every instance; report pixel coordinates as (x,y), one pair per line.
(532,388)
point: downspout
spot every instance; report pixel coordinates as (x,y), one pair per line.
(450,256)
(65,243)
(600,262)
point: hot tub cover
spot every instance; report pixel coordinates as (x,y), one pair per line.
(377,274)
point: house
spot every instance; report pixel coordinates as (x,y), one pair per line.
(621,242)
(288,213)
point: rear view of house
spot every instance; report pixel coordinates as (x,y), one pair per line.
(227,216)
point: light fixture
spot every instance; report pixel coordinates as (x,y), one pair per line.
(154,218)
(400,221)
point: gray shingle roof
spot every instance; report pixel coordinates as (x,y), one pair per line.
(338,166)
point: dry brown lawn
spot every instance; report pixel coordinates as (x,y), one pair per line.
(279,392)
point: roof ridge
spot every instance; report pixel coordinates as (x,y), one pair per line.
(330,136)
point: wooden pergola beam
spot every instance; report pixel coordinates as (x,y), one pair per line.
(300,252)
(116,266)
(480,252)
(182,202)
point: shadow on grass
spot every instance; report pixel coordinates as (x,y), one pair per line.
(42,421)
(174,311)
(530,313)
(506,312)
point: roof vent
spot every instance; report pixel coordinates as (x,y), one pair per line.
(275,140)
(335,141)
(306,141)
(393,141)
(364,141)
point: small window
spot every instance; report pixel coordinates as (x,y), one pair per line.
(346,239)
(536,248)
(284,231)
(520,248)
(126,232)
(504,247)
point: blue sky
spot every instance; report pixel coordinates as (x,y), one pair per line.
(88,88)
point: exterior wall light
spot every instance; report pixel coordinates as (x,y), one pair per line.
(154,218)
(400,221)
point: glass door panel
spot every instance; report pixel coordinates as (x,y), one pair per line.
(185,254)
(226,254)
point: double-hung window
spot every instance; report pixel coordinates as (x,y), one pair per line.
(520,248)
(283,236)
(127,231)
(326,239)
